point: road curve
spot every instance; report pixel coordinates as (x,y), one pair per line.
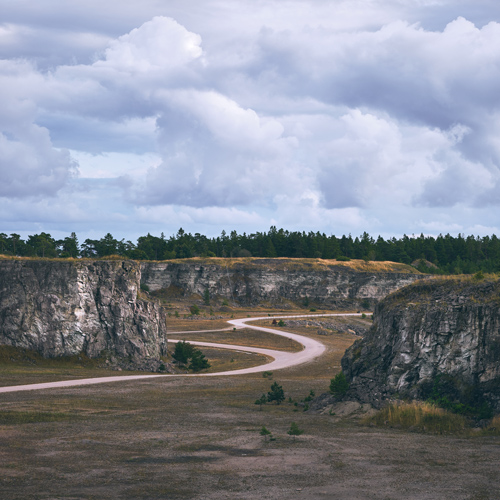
(280,359)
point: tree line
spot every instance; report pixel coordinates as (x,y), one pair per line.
(442,254)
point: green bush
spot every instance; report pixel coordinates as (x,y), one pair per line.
(182,352)
(339,385)
(276,394)
(194,310)
(294,430)
(198,361)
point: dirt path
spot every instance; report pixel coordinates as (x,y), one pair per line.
(280,359)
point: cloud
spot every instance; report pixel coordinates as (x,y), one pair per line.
(294,111)
(29,163)
(161,44)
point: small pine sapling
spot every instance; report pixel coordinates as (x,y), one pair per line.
(265,432)
(294,430)
(261,401)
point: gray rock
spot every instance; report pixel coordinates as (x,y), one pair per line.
(275,281)
(439,327)
(62,308)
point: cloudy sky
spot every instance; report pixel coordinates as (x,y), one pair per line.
(338,116)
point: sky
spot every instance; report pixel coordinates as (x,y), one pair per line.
(338,116)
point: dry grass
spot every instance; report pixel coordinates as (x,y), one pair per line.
(420,416)
(198,438)
(245,337)
(286,263)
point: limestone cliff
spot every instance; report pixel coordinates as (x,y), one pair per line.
(67,307)
(276,281)
(431,329)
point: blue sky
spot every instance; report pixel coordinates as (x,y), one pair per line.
(339,117)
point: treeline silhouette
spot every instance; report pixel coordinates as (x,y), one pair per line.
(442,254)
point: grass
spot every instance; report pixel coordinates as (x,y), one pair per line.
(193,438)
(31,417)
(425,417)
(245,337)
(289,264)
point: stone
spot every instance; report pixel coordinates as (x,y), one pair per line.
(61,308)
(436,327)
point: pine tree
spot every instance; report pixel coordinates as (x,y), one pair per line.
(294,430)
(276,394)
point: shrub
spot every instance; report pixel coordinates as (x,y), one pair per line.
(194,310)
(261,401)
(419,416)
(339,385)
(182,352)
(198,361)
(294,430)
(206,297)
(281,323)
(276,394)
(144,287)
(264,432)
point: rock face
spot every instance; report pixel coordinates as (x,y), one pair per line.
(276,281)
(69,307)
(433,330)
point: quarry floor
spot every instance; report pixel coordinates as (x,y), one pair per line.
(199,438)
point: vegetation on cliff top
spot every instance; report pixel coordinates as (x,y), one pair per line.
(437,255)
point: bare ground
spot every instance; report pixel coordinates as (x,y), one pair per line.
(199,439)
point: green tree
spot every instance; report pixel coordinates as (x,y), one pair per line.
(264,432)
(194,310)
(182,352)
(339,385)
(261,401)
(276,394)
(198,361)
(294,430)
(206,297)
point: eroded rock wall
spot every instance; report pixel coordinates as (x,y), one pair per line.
(275,281)
(439,327)
(68,307)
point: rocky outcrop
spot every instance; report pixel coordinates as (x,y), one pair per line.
(437,330)
(276,281)
(62,308)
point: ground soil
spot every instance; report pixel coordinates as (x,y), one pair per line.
(199,438)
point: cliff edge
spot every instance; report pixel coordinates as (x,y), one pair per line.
(60,308)
(436,335)
(251,281)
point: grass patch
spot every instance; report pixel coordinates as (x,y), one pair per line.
(244,337)
(31,417)
(418,416)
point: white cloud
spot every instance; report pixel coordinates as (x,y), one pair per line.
(296,111)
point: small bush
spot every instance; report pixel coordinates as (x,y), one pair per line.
(343,258)
(194,310)
(294,430)
(419,416)
(276,394)
(264,432)
(144,287)
(339,385)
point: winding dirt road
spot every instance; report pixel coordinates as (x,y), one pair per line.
(280,359)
